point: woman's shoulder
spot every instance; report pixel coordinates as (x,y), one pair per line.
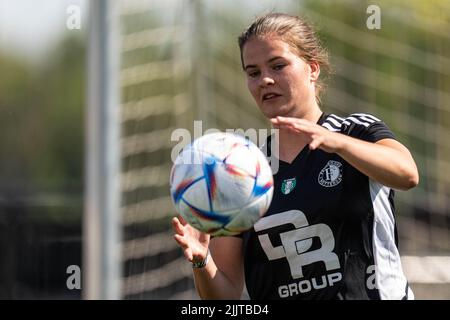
(337,123)
(342,124)
(359,125)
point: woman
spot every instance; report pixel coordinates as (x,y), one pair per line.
(330,230)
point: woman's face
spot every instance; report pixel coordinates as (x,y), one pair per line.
(281,83)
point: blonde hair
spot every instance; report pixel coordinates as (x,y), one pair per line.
(297,33)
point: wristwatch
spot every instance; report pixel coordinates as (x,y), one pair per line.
(201,264)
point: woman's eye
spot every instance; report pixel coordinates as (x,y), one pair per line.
(253,74)
(279,66)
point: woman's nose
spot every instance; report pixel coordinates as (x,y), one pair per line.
(266,81)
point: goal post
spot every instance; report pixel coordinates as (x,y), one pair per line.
(101,223)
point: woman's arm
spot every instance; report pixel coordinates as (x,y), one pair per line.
(223,275)
(387,161)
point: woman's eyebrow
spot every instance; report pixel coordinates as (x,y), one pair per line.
(268,61)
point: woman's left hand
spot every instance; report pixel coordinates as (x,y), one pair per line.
(315,135)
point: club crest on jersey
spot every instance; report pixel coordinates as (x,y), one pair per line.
(288,185)
(331,174)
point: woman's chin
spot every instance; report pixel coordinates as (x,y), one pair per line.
(269,114)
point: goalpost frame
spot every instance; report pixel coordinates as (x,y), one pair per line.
(101,221)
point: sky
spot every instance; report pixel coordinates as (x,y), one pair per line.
(29,28)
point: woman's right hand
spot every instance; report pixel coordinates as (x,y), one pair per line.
(193,242)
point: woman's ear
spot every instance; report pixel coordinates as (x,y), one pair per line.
(315,70)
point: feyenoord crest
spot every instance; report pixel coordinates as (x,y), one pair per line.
(331,174)
(288,185)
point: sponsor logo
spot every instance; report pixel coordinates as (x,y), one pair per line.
(295,248)
(306,285)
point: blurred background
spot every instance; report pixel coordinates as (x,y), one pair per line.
(178,61)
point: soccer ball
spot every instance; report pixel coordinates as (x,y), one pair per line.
(221,184)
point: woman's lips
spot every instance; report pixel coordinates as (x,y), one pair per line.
(270,96)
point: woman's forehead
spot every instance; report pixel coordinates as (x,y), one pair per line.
(266,48)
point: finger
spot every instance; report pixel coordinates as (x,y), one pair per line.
(279,120)
(303,128)
(177,226)
(187,251)
(181,241)
(287,120)
(276,125)
(313,145)
(289,127)
(282,124)
(188,254)
(299,124)
(183,222)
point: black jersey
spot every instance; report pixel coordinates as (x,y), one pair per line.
(329,232)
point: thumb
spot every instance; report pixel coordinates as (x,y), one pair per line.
(313,145)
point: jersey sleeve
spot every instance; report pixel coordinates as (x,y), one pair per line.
(366,127)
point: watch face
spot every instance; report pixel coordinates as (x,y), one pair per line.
(201,264)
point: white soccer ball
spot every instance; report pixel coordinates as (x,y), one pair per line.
(221,184)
